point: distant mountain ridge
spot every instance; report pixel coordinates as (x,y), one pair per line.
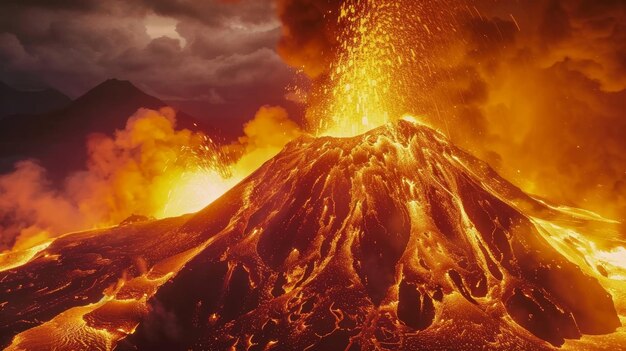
(15,102)
(51,137)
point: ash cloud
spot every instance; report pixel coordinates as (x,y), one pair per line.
(309,40)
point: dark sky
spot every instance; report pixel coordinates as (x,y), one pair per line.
(214,58)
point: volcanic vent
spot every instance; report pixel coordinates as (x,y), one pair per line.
(394,239)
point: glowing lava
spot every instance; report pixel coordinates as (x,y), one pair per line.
(194,190)
(383,61)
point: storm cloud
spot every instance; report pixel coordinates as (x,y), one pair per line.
(199,54)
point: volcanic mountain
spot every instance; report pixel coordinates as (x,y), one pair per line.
(394,239)
(20,102)
(54,136)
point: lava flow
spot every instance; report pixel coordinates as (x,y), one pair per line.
(394,239)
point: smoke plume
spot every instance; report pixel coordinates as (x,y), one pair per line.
(543,96)
(264,136)
(148,169)
(309,40)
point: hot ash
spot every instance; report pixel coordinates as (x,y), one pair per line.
(150,168)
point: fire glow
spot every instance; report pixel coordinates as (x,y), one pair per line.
(148,170)
(194,190)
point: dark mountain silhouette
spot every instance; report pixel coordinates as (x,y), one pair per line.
(394,239)
(18,102)
(61,134)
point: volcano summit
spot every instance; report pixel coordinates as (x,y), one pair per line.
(394,239)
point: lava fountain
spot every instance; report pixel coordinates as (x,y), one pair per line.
(383,60)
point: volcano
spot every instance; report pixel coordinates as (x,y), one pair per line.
(394,239)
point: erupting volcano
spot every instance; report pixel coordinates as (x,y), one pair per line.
(394,239)
(366,231)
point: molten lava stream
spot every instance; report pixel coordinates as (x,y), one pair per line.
(608,266)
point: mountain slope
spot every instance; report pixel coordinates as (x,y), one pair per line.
(18,102)
(58,135)
(394,239)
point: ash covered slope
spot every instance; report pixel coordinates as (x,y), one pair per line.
(393,239)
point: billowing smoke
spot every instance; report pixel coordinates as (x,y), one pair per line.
(29,208)
(128,173)
(264,136)
(148,169)
(543,98)
(536,88)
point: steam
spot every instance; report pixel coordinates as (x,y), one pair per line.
(149,168)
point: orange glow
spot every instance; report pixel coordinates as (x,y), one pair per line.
(148,170)
(417,233)
(361,80)
(18,256)
(207,173)
(383,61)
(191,191)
